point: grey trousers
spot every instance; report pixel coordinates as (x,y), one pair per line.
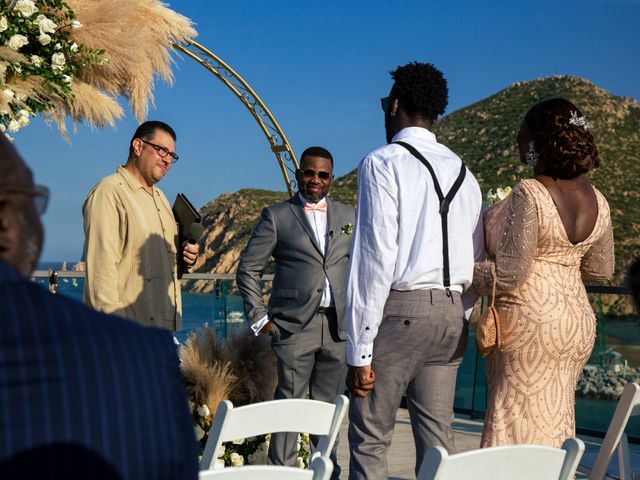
(312,359)
(419,346)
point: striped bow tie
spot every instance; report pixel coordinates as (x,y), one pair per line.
(314,207)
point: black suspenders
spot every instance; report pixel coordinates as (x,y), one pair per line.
(445,202)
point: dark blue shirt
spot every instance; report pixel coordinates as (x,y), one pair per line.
(87,395)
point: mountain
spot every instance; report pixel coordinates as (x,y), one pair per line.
(483,134)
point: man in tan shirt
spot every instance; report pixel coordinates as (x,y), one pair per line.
(131,236)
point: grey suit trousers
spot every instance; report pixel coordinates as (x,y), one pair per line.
(419,346)
(313,359)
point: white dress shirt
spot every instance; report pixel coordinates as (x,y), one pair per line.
(318,222)
(397,241)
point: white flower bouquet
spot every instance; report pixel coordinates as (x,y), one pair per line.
(38,59)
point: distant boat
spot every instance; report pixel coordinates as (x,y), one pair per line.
(235,316)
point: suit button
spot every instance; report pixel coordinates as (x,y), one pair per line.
(319,290)
(407,322)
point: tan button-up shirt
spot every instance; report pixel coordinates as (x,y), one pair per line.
(130,251)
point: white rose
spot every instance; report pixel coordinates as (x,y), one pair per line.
(14,126)
(66,79)
(203,411)
(8,93)
(23,121)
(16,42)
(25,7)
(75,24)
(57,46)
(3,24)
(44,39)
(300,462)
(45,24)
(24,113)
(3,128)
(36,60)
(57,62)
(238,442)
(221,451)
(74,47)
(199,432)
(237,460)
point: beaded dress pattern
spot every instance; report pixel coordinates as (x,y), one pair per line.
(548,326)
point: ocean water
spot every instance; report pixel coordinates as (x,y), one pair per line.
(214,309)
(197,309)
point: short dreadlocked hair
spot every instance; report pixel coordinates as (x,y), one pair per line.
(421,89)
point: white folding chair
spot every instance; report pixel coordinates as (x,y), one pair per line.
(615,439)
(320,469)
(524,462)
(290,415)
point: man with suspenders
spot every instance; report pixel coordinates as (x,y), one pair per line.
(418,232)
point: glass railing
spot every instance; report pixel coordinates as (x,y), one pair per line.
(213,299)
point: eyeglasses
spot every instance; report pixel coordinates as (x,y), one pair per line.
(162,151)
(40,195)
(384,103)
(309,173)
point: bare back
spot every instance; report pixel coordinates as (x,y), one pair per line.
(576,203)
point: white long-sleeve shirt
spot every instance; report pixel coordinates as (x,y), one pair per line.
(397,242)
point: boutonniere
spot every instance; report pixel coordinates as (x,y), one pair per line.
(346,229)
(497,196)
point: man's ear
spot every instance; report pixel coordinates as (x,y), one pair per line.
(395,104)
(7,231)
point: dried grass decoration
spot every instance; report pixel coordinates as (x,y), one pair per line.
(75,58)
(242,370)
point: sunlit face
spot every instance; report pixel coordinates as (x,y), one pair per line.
(148,162)
(312,187)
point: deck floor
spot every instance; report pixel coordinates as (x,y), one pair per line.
(402,456)
(467,433)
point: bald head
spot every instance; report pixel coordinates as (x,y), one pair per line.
(21,232)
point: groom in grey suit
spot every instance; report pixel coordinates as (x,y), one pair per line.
(309,239)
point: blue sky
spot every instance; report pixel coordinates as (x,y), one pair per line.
(321,68)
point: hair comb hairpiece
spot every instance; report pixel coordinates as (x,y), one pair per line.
(580,121)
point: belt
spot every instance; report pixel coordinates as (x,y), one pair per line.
(326,310)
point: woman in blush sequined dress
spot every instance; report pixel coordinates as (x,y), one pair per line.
(549,236)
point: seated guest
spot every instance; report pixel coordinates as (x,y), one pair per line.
(83,395)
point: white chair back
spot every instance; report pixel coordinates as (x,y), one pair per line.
(320,469)
(524,462)
(291,415)
(615,439)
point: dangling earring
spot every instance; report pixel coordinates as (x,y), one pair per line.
(531,156)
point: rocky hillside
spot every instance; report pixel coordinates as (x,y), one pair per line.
(483,134)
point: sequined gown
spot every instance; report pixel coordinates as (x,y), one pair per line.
(548,325)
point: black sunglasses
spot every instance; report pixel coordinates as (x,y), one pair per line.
(39,193)
(162,151)
(384,102)
(309,173)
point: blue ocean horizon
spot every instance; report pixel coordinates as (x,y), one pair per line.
(224,313)
(197,309)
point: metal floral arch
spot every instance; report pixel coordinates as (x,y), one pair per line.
(241,89)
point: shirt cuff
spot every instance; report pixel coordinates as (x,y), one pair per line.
(256,327)
(359,356)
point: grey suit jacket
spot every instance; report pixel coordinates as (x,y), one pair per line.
(300,268)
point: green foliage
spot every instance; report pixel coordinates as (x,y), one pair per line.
(48,55)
